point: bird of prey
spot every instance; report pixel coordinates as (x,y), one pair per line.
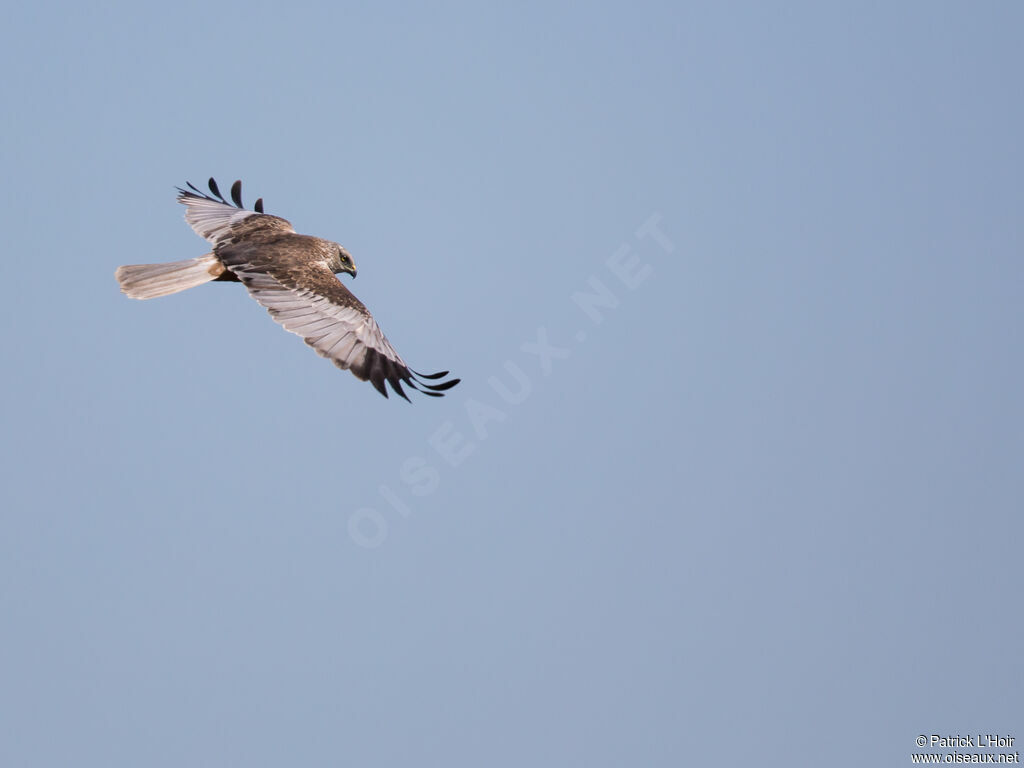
(292,276)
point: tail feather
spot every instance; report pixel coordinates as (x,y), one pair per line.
(147,281)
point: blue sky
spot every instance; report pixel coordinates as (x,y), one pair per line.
(734,473)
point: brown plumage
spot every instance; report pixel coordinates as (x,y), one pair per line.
(293,277)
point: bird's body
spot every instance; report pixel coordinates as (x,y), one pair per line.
(292,276)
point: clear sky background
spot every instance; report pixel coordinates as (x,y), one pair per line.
(765,510)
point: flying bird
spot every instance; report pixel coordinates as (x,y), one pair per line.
(292,276)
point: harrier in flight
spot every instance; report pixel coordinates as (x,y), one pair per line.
(292,276)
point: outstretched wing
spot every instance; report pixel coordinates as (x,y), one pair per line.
(307,299)
(215,219)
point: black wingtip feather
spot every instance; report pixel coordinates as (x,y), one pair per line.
(396,384)
(430,389)
(438,375)
(236,194)
(443,386)
(412,383)
(378,384)
(440,387)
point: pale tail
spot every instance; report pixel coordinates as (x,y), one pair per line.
(147,281)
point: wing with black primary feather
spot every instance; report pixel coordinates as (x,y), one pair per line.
(306,298)
(212,217)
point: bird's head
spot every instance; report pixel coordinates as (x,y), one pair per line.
(345,262)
